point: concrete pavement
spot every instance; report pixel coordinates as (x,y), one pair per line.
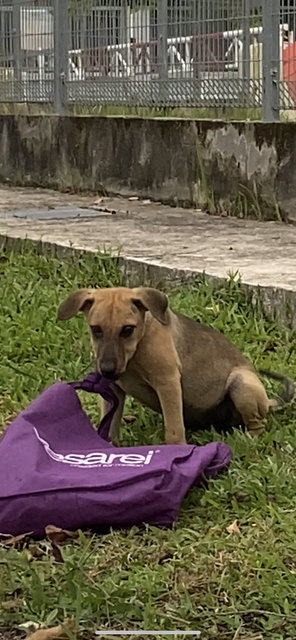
(187,240)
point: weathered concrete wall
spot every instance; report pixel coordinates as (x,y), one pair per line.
(242,168)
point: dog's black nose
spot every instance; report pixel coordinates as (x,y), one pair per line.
(108,369)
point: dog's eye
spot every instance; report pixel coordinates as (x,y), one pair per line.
(127,331)
(96,331)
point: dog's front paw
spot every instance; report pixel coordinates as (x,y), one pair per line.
(257,431)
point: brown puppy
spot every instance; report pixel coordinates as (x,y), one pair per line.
(170,363)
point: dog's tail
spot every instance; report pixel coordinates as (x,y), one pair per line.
(288,393)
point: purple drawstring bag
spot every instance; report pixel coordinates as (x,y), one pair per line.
(56,469)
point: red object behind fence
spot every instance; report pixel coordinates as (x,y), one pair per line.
(289,69)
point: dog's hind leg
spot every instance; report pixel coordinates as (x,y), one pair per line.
(249,397)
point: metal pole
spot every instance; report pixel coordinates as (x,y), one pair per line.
(271,60)
(246,47)
(162,56)
(197,49)
(17,47)
(61,55)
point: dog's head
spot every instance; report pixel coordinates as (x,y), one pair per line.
(116,318)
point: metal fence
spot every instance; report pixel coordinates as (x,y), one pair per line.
(152,53)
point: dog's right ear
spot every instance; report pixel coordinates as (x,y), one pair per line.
(80,300)
(153,300)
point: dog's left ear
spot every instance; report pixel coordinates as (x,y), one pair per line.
(147,299)
(80,300)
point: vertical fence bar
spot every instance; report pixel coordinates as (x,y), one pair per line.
(196,48)
(271,60)
(199,48)
(246,48)
(17,51)
(162,53)
(61,55)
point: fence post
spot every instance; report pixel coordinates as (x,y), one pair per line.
(162,54)
(246,48)
(61,55)
(17,51)
(271,60)
(198,26)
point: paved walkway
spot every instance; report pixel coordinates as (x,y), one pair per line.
(264,253)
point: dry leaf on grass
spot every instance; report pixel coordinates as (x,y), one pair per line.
(56,553)
(55,633)
(58,535)
(17,542)
(29,626)
(10,604)
(233,527)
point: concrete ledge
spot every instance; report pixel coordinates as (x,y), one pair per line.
(246,169)
(279,304)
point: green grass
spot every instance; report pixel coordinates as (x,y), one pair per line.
(196,576)
(107,110)
(228,114)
